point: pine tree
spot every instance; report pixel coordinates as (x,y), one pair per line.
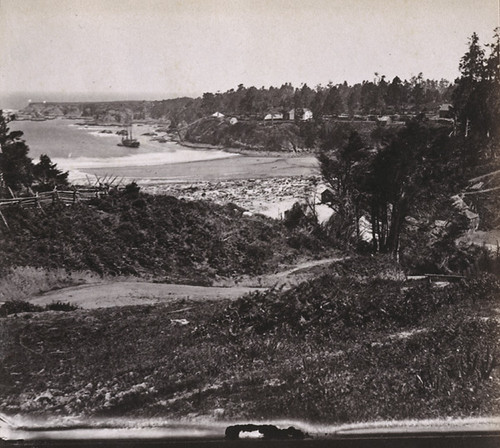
(15,165)
(47,175)
(469,97)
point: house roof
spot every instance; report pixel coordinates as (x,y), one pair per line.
(446,107)
(273,115)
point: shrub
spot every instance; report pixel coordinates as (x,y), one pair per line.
(61,306)
(19,306)
(159,235)
(22,306)
(132,189)
(346,307)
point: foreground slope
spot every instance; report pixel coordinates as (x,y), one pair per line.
(339,348)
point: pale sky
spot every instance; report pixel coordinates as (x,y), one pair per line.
(165,48)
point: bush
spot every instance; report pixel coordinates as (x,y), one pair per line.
(347,307)
(18,306)
(295,216)
(22,306)
(61,306)
(132,189)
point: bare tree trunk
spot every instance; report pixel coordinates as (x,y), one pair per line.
(397,219)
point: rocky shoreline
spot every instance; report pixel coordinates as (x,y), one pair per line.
(271,196)
(244,151)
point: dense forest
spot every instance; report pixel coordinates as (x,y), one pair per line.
(377,97)
(370,97)
(417,169)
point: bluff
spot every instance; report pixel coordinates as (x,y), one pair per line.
(247,134)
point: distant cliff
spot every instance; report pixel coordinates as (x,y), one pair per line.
(248,134)
(112,111)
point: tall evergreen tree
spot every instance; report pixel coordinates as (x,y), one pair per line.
(15,165)
(47,175)
(469,95)
(342,168)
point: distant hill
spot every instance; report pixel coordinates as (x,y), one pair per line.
(107,111)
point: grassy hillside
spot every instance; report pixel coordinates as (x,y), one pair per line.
(334,349)
(158,236)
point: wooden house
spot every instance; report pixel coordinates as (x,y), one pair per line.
(446,111)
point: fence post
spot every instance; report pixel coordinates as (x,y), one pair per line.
(38,204)
(74,197)
(4,220)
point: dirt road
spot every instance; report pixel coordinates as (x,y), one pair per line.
(105,295)
(123,293)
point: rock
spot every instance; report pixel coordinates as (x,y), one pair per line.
(179,321)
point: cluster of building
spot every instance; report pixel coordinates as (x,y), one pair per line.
(445,112)
(301,114)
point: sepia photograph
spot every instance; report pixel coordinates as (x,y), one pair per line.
(249,222)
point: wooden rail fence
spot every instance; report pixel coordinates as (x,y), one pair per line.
(66,197)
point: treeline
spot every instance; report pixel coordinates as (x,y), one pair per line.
(377,97)
(416,169)
(380,96)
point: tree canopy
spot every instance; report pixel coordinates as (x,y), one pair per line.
(408,170)
(476,97)
(17,170)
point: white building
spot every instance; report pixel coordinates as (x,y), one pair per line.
(274,116)
(307,115)
(302,114)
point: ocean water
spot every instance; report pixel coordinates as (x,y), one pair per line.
(78,148)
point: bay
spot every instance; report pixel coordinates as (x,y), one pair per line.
(80,148)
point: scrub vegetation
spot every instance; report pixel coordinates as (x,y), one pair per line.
(334,349)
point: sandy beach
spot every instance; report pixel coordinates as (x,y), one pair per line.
(231,168)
